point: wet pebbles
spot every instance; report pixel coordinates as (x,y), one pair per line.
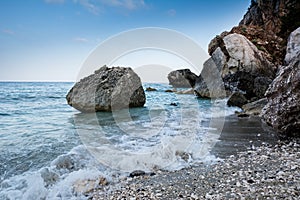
(264,172)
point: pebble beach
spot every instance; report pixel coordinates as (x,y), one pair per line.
(262,172)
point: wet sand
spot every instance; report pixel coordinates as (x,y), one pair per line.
(238,134)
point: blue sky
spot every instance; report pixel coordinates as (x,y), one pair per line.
(50,39)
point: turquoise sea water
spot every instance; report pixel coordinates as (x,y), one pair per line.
(47,145)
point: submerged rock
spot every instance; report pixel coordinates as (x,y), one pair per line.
(282,111)
(150,89)
(182,78)
(171,91)
(106,90)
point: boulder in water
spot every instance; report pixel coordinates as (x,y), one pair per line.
(182,78)
(209,84)
(107,89)
(150,89)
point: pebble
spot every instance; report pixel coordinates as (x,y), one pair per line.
(264,172)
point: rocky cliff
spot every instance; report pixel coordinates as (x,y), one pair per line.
(267,24)
(282,110)
(258,61)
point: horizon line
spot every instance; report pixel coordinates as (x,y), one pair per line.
(57,81)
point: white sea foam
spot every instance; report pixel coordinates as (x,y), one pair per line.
(63,179)
(163,136)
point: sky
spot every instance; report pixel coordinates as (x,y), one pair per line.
(49,40)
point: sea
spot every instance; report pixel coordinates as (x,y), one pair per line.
(47,147)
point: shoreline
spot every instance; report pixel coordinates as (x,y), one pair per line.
(265,172)
(261,168)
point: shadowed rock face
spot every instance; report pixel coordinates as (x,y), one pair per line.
(182,78)
(237,99)
(283,108)
(107,89)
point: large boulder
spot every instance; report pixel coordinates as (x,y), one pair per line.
(210,84)
(182,78)
(283,108)
(243,67)
(293,46)
(107,89)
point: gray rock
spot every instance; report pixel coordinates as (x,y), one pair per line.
(254,108)
(243,67)
(237,99)
(106,90)
(293,46)
(182,78)
(261,85)
(244,56)
(209,84)
(239,66)
(217,42)
(282,111)
(137,173)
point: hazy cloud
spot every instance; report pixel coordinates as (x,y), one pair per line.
(133,4)
(127,4)
(91,6)
(80,39)
(95,6)
(171,12)
(55,1)
(9,32)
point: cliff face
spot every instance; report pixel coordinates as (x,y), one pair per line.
(267,24)
(274,20)
(282,110)
(268,14)
(266,40)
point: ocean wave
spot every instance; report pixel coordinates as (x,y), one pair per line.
(63,179)
(75,174)
(55,97)
(162,136)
